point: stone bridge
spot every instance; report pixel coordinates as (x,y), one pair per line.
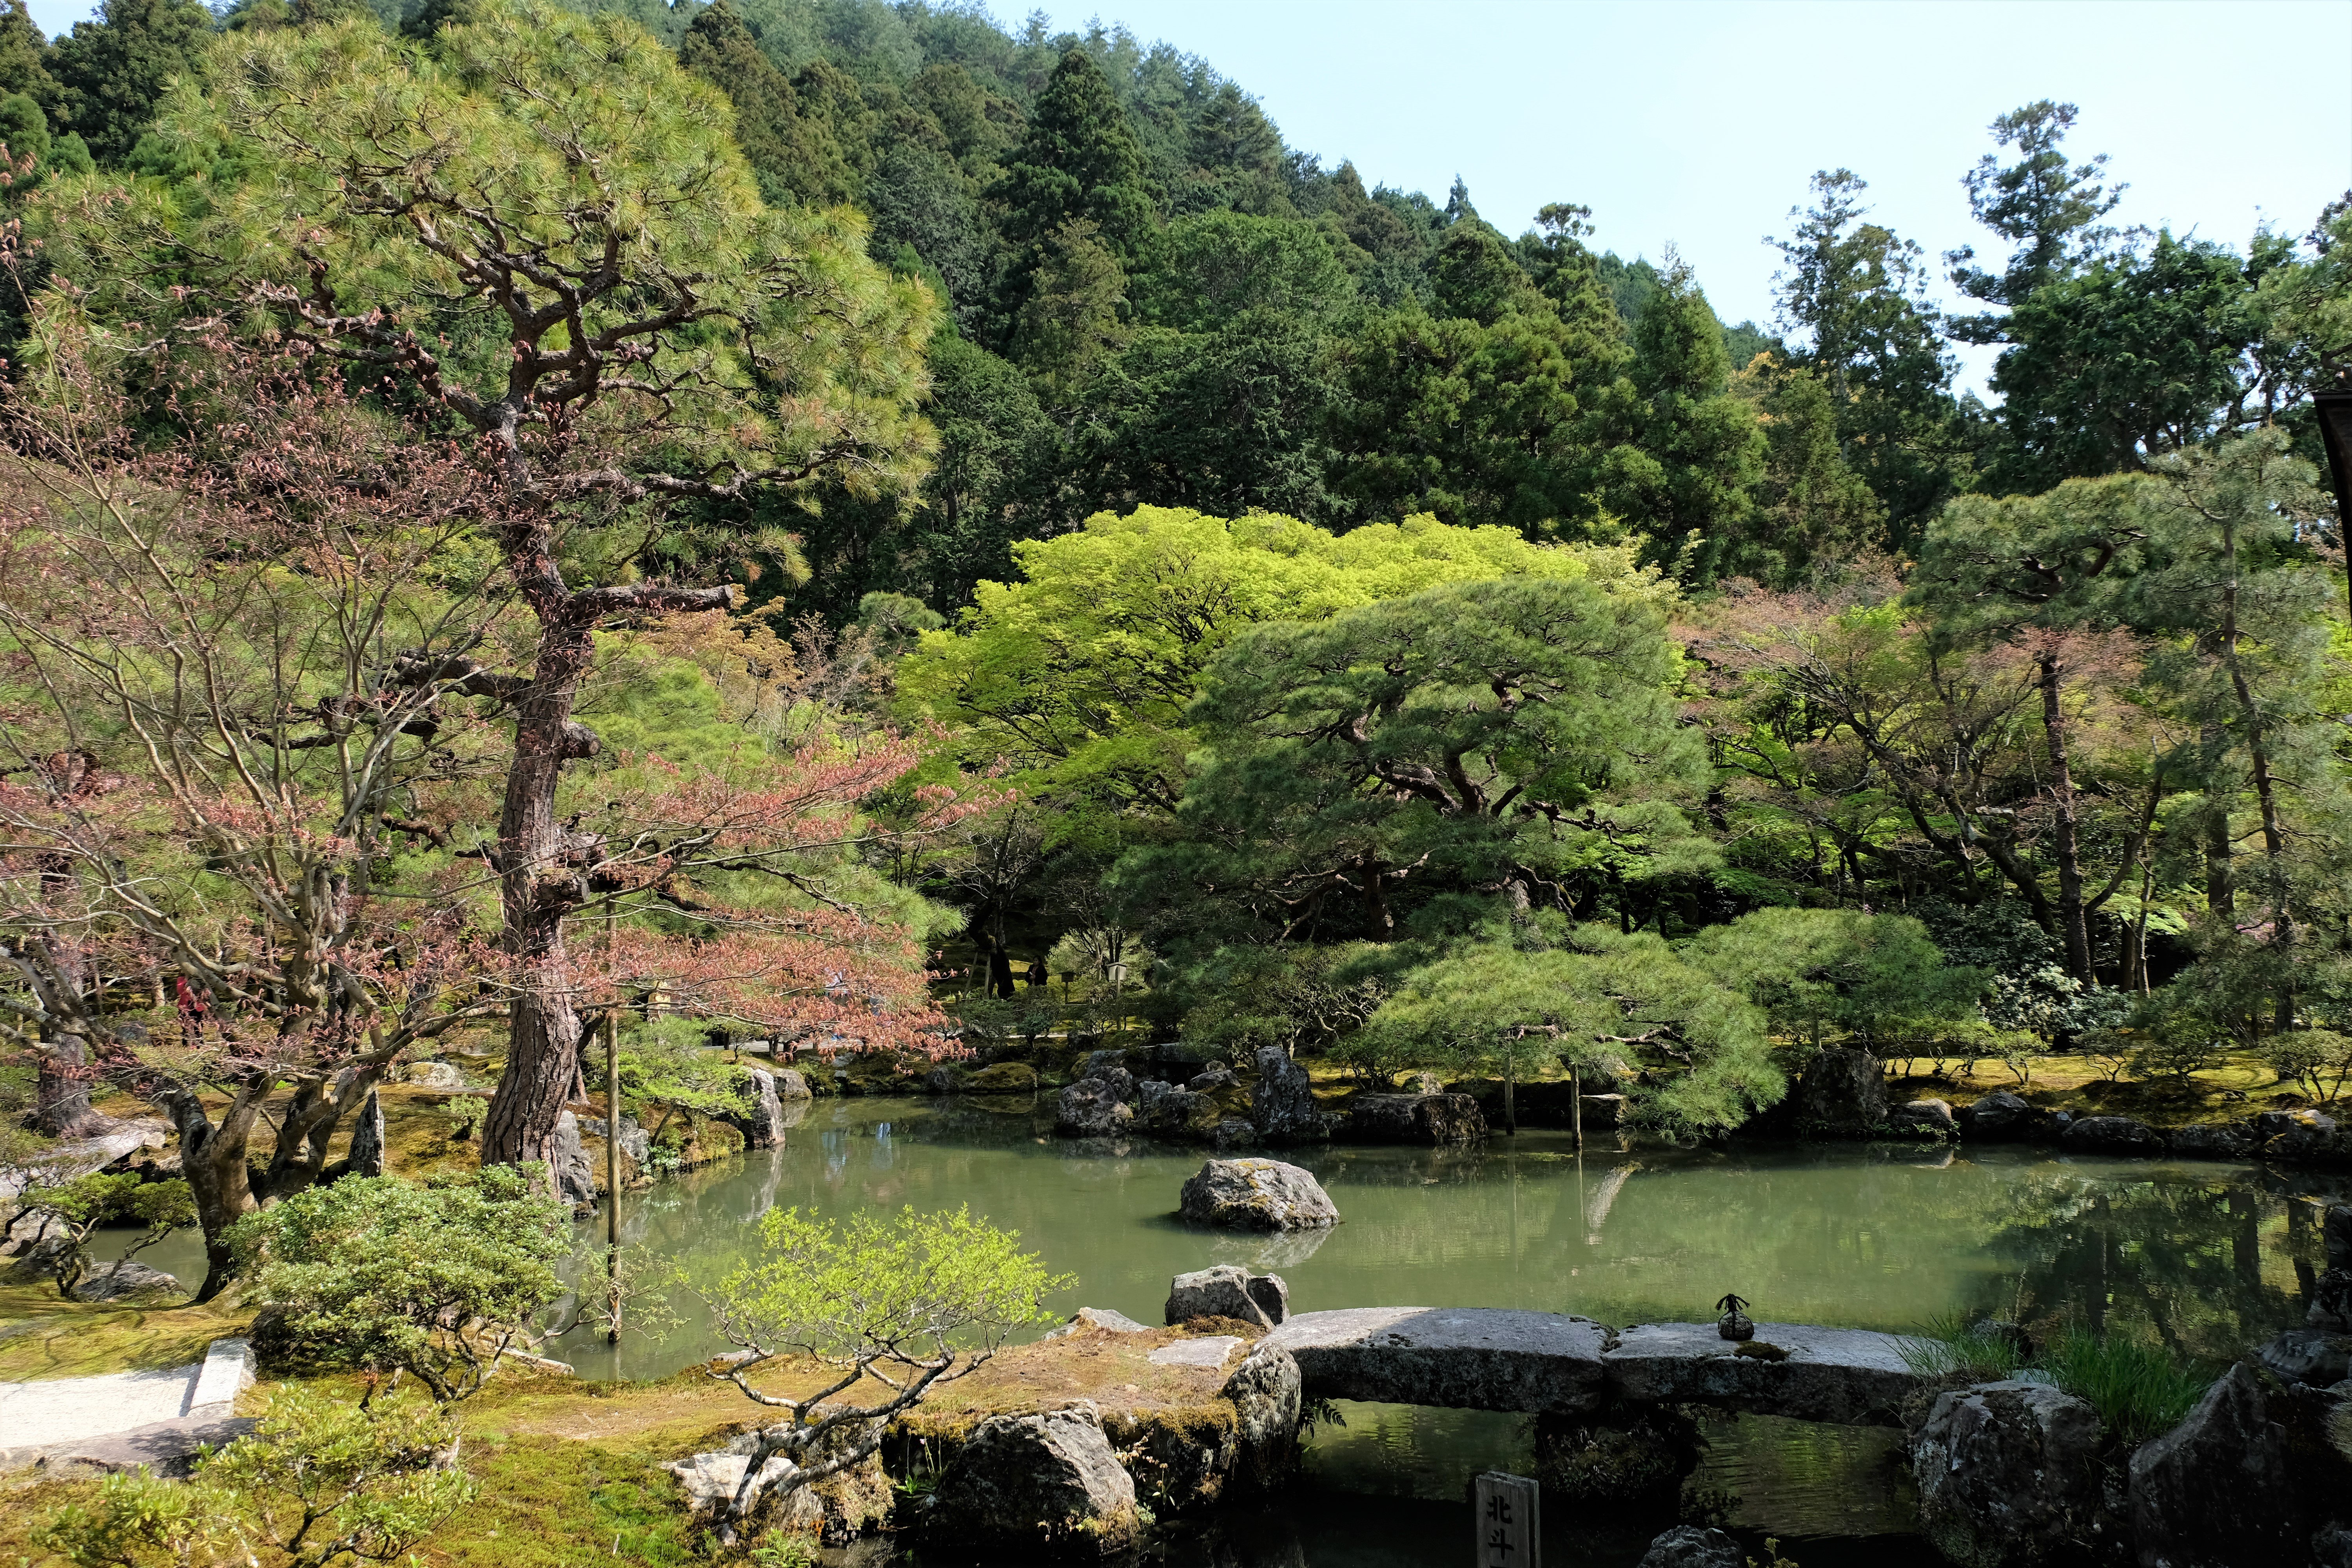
(1494,1359)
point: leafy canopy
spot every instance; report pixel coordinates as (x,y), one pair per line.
(1079,676)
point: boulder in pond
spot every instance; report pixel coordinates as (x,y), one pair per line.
(790,1084)
(2311,1144)
(2248,1478)
(1688,1546)
(1229,1290)
(764,1124)
(1043,1486)
(576,1173)
(1267,1395)
(2214,1140)
(2007,1474)
(1842,1090)
(2111,1135)
(1105,1064)
(1427,1119)
(1002,1078)
(1283,1105)
(2002,1117)
(1210,1081)
(1232,1132)
(122,1280)
(1256,1195)
(1923,1119)
(1092,1108)
(1163,1111)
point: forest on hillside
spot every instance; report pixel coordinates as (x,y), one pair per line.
(771,517)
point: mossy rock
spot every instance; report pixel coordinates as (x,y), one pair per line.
(1002,1078)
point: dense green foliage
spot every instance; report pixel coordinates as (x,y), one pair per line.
(1389,636)
(387,1275)
(318,1483)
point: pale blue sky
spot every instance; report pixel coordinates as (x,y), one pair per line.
(1698,123)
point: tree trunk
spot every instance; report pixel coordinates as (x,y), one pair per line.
(2265,791)
(212,1160)
(539,889)
(61,1092)
(2073,925)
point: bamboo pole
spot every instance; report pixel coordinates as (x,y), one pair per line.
(1576,1104)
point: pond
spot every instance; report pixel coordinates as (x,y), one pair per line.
(2206,1257)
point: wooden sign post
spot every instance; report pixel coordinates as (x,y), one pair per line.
(1510,1522)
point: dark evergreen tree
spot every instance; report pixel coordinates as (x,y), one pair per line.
(2045,207)
(1684,477)
(1854,296)
(111,72)
(22,55)
(1079,159)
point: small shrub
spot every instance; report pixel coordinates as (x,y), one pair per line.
(321,1483)
(2139,1390)
(2317,1061)
(1960,1344)
(437,1279)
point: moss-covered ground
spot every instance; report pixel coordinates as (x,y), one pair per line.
(570,1471)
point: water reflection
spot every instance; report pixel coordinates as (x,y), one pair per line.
(2209,1257)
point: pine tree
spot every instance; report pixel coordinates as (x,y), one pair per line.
(2047,208)
(111,72)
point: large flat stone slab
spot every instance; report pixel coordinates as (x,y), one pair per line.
(1851,1377)
(1467,1358)
(72,1409)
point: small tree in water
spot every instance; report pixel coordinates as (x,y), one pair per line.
(890,1306)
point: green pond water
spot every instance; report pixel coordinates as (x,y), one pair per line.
(2209,1257)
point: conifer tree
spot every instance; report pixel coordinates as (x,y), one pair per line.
(1695,454)
(112,73)
(1079,162)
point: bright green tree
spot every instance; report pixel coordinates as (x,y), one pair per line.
(888,1307)
(1690,1052)
(1079,675)
(1508,739)
(1863,975)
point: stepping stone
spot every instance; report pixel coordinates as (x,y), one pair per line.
(1848,1376)
(1466,1358)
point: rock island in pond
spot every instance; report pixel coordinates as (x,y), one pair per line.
(1256,1195)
